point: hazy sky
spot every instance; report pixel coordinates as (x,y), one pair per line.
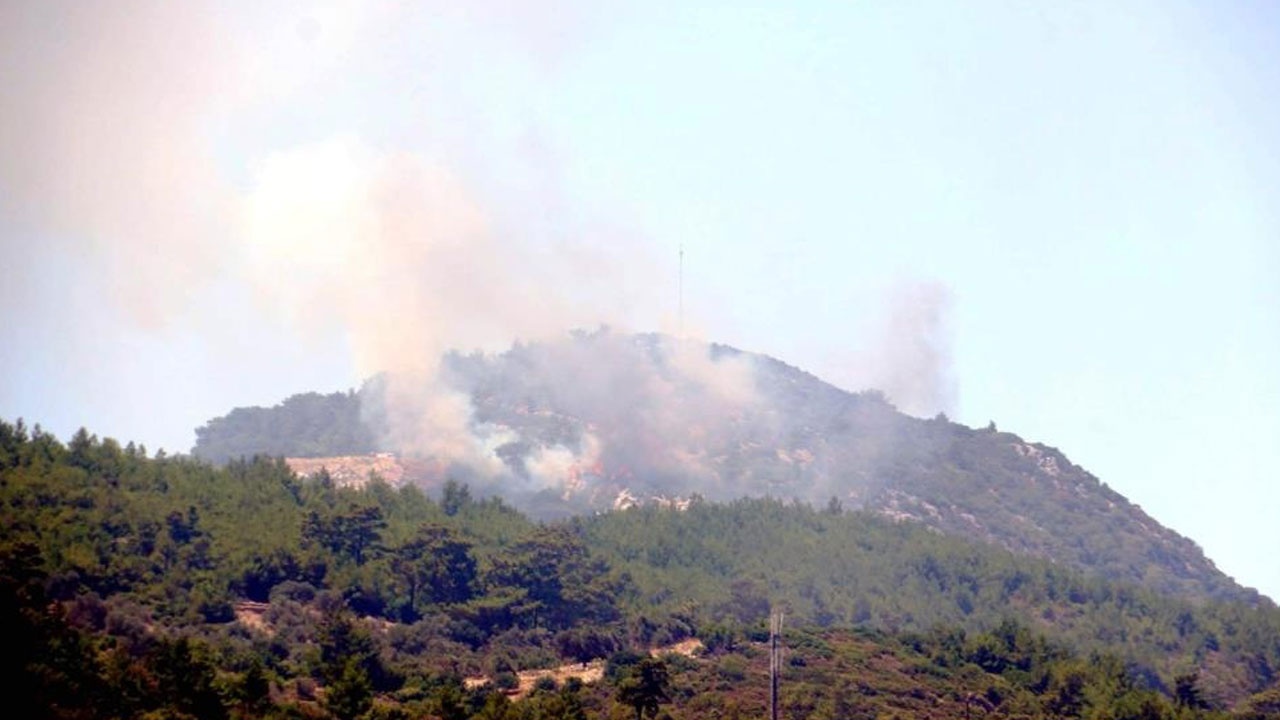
(1065,220)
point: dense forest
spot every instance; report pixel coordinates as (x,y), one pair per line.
(138,586)
(304,425)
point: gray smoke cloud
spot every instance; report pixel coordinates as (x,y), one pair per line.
(101,144)
(405,258)
(908,355)
(109,142)
(655,402)
(593,411)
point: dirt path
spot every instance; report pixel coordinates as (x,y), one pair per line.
(688,648)
(251,615)
(586,672)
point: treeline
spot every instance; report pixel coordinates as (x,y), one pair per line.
(1007,671)
(304,425)
(135,585)
(832,568)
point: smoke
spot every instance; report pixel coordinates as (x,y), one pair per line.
(101,141)
(111,141)
(651,403)
(562,467)
(908,355)
(118,136)
(394,251)
(402,257)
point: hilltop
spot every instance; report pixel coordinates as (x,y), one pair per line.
(604,420)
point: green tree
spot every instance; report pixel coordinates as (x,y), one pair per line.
(80,449)
(352,533)
(1066,689)
(341,643)
(184,528)
(449,703)
(646,687)
(185,679)
(350,695)
(1186,691)
(555,580)
(496,707)
(565,705)
(454,497)
(435,566)
(253,689)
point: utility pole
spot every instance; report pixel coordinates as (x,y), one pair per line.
(775,661)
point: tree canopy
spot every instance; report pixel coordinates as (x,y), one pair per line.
(134,586)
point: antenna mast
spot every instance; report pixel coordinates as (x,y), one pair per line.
(680,306)
(775,662)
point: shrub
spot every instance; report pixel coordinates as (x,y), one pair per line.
(298,592)
(506,680)
(546,683)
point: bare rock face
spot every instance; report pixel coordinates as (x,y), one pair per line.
(351,470)
(359,470)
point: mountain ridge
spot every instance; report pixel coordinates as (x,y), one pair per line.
(577,423)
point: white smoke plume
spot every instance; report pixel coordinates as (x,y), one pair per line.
(909,359)
(403,258)
(564,468)
(654,401)
(111,139)
(102,145)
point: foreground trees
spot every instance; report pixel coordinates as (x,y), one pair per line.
(646,687)
(436,567)
(126,581)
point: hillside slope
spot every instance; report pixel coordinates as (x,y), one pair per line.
(607,420)
(132,585)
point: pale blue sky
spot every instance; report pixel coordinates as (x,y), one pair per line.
(1094,185)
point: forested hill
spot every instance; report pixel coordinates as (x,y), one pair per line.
(166,587)
(305,425)
(602,420)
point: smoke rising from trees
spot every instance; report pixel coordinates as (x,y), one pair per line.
(111,142)
(909,358)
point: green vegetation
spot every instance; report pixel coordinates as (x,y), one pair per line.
(133,586)
(305,425)
(783,433)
